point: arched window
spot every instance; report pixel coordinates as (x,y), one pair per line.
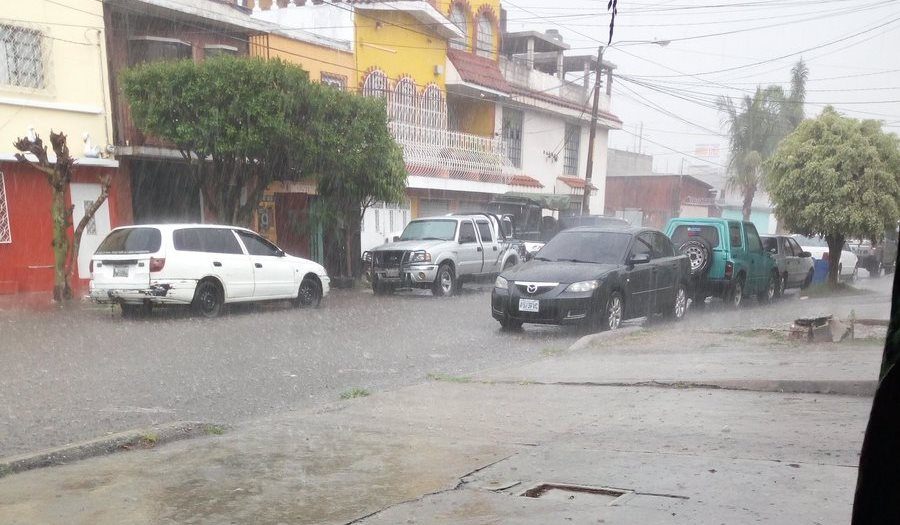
(375,85)
(434,115)
(460,20)
(403,105)
(485,44)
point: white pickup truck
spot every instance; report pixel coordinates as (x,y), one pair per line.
(441,253)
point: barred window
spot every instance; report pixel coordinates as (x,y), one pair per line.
(485,46)
(573,141)
(21,57)
(460,20)
(375,85)
(338,82)
(434,113)
(403,105)
(512,135)
(5,233)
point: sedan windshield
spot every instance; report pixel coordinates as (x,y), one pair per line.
(436,230)
(586,246)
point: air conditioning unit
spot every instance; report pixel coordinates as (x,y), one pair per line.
(438,69)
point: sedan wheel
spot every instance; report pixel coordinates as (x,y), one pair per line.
(615,308)
(680,306)
(309,295)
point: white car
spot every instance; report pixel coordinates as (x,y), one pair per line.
(818,248)
(200,265)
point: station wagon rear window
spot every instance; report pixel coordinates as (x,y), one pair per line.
(131,240)
(685,232)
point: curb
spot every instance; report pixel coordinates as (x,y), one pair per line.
(590,339)
(144,438)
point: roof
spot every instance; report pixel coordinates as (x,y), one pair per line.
(478,70)
(525,180)
(201,11)
(421,10)
(574,182)
(576,63)
(562,102)
(542,41)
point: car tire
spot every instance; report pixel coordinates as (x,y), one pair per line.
(679,307)
(208,299)
(808,280)
(770,292)
(614,313)
(735,296)
(699,254)
(309,295)
(445,283)
(782,286)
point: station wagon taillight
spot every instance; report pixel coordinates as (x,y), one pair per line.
(157,264)
(729,270)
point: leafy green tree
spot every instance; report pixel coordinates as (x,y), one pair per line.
(837,177)
(755,127)
(227,117)
(357,163)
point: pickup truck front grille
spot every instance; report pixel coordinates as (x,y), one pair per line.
(389,259)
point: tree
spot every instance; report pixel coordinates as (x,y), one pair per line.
(837,177)
(227,117)
(358,163)
(756,127)
(59,175)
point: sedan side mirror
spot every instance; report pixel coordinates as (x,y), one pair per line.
(805,254)
(640,258)
(280,253)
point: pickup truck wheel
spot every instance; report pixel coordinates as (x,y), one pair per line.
(699,254)
(771,290)
(445,282)
(736,295)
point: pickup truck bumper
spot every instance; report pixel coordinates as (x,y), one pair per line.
(408,275)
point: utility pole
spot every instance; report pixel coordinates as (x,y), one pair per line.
(641,138)
(586,198)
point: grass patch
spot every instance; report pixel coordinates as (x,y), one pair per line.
(447,378)
(551,351)
(214,430)
(354,392)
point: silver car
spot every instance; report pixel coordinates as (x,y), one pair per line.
(795,266)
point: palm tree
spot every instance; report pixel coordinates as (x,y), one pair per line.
(755,127)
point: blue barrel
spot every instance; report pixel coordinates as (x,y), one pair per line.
(820,271)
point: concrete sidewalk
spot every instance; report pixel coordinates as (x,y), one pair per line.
(464,451)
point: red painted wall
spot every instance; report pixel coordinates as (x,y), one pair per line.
(26,264)
(658,196)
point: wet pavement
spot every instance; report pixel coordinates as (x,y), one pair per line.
(80,374)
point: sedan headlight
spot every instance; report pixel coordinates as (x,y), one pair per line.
(583,286)
(501,283)
(419,257)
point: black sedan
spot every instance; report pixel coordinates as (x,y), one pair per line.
(597,277)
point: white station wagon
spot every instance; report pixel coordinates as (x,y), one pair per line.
(200,265)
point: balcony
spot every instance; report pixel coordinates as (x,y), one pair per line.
(518,74)
(434,152)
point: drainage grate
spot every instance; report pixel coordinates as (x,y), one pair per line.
(564,492)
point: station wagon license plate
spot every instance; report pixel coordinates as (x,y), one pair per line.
(529,305)
(120,271)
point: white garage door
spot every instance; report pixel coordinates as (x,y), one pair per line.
(433,207)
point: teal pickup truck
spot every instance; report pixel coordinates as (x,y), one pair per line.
(727,259)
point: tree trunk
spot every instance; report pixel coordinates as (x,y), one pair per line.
(59,215)
(348,250)
(835,245)
(748,205)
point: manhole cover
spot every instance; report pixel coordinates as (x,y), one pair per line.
(565,492)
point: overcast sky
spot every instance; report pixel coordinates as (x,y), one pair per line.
(852,48)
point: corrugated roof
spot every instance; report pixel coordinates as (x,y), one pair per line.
(526,181)
(574,182)
(477,70)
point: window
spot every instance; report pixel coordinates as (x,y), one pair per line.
(336,81)
(573,141)
(5,232)
(21,57)
(403,103)
(439,230)
(771,246)
(734,231)
(683,233)
(794,246)
(256,245)
(512,135)
(131,240)
(375,85)
(485,44)
(466,232)
(210,240)
(595,247)
(753,243)
(157,49)
(642,245)
(484,229)
(662,247)
(216,50)
(460,20)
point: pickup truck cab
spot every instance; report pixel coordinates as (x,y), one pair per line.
(441,253)
(727,259)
